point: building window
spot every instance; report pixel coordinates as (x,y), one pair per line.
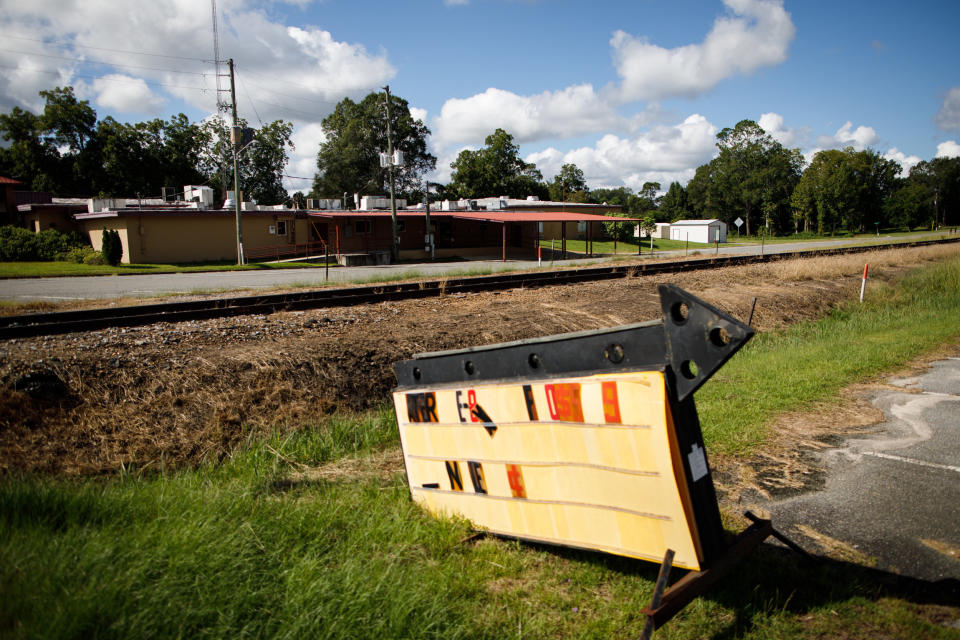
(361,226)
(281,227)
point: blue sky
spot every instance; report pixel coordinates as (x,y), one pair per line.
(629,91)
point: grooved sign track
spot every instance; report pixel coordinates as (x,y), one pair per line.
(95,319)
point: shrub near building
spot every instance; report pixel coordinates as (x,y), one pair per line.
(21,245)
(112,248)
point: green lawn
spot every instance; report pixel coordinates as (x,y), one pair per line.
(55,269)
(265,543)
(627,248)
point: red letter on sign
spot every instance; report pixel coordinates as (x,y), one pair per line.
(515,478)
(563,400)
(611,403)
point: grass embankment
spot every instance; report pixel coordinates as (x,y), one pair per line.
(268,543)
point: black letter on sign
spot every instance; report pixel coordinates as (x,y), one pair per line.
(422,407)
(476,475)
(453,472)
(531,404)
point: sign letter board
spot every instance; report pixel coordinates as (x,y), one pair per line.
(587,440)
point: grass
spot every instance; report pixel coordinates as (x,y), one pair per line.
(268,543)
(60,269)
(629,248)
(811,362)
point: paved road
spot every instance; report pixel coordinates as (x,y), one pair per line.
(895,496)
(141,286)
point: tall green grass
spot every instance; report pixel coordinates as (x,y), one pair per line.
(810,363)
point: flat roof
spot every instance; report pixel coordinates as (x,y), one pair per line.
(480,216)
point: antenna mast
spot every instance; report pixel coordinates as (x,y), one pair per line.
(222,105)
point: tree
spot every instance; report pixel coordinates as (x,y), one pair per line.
(497,169)
(27,155)
(757,173)
(356,133)
(569,185)
(675,204)
(68,121)
(261,163)
(940,178)
(844,190)
(111,247)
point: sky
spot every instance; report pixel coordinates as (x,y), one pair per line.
(629,91)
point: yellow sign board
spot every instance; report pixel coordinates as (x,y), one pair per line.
(588,461)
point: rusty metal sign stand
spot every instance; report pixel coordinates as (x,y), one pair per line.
(666,604)
(691,342)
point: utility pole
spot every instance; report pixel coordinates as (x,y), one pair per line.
(426,202)
(236,136)
(394,245)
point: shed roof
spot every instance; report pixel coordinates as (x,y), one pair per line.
(693,223)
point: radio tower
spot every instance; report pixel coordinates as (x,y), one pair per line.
(222,105)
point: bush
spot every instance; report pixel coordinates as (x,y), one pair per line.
(77,254)
(112,248)
(22,245)
(94,258)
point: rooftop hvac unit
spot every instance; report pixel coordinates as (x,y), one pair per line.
(533,198)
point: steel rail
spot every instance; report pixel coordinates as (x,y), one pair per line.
(59,322)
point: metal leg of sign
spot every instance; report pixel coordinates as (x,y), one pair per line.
(658,590)
(779,536)
(696,583)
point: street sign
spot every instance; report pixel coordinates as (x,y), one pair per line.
(588,440)
(738,222)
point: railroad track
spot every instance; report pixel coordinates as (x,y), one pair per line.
(94,319)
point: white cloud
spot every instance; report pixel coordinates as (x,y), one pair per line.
(948,149)
(418,114)
(948,117)
(456,3)
(294,73)
(569,112)
(773,124)
(756,35)
(846,136)
(663,154)
(306,140)
(907,162)
(125,94)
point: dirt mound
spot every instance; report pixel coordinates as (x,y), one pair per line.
(87,403)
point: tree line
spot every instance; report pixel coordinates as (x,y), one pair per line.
(65,150)
(753,177)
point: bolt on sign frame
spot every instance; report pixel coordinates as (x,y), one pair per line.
(588,439)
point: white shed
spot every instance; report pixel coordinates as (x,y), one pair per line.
(703,231)
(662,231)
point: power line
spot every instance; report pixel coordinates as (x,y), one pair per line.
(81,46)
(103,62)
(292,84)
(247,93)
(95,77)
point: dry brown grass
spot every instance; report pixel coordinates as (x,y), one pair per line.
(194,391)
(837,266)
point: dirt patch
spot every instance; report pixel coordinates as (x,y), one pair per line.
(188,392)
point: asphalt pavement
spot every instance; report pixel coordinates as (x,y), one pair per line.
(894,496)
(144,286)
